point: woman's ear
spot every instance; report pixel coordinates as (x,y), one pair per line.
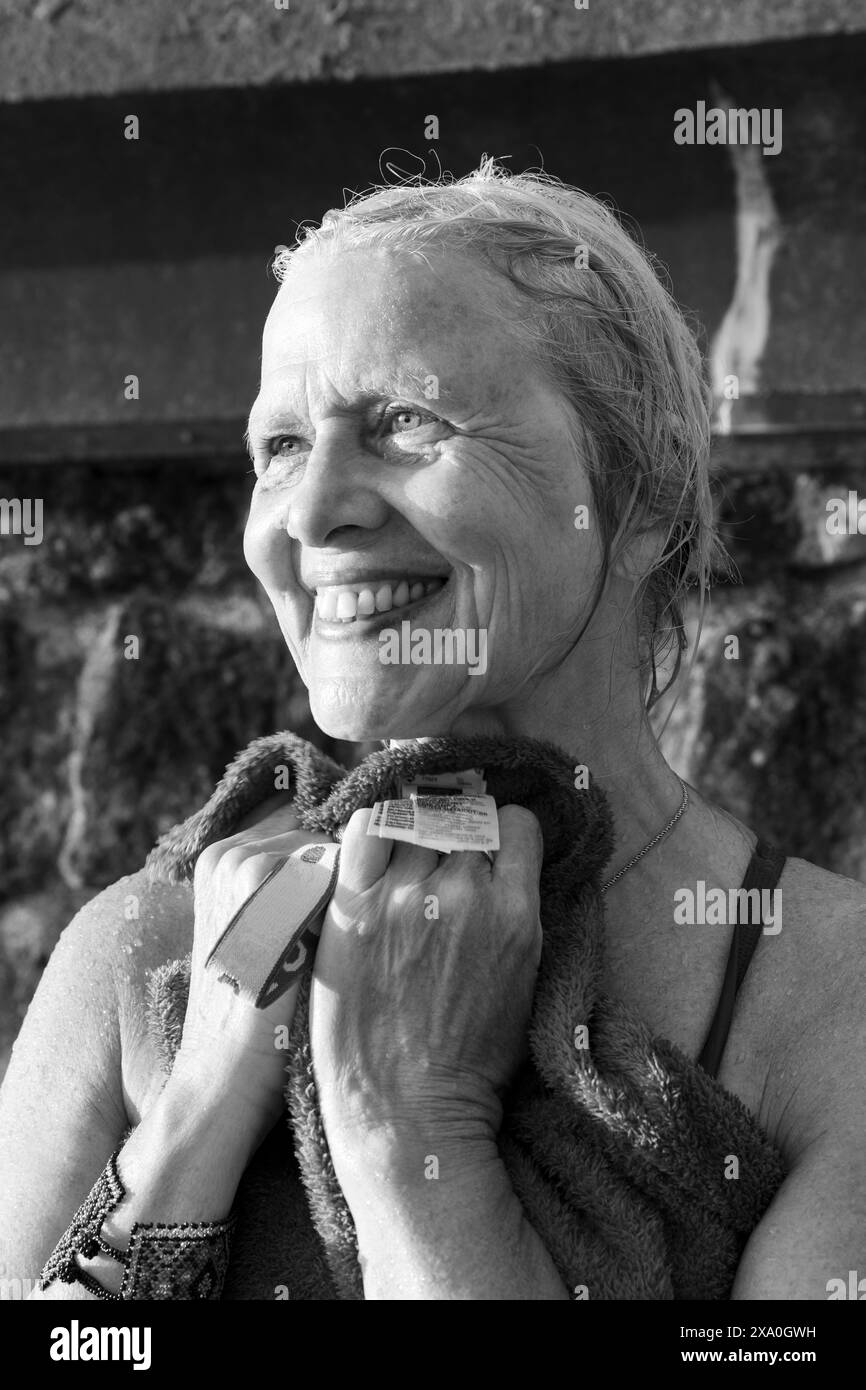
(638,557)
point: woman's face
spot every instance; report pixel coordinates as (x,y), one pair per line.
(404,437)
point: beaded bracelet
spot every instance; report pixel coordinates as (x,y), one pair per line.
(186,1260)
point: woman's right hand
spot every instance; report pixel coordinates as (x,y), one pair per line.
(232,1053)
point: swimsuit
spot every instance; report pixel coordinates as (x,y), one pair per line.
(764,871)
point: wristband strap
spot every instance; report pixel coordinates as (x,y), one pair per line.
(281,922)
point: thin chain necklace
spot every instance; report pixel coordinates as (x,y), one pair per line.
(654,841)
(387,743)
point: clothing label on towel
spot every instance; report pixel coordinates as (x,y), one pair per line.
(443,823)
(273,936)
(468,783)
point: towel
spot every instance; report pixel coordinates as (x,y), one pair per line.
(619,1147)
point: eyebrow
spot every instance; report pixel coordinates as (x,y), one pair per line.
(268,419)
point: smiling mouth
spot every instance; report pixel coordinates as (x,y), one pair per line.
(366,605)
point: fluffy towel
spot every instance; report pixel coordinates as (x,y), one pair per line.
(619,1151)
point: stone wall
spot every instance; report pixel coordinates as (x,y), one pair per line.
(54,48)
(137,656)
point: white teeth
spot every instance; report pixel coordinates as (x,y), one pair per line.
(383,599)
(326,605)
(345,605)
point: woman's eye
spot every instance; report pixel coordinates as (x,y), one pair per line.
(403,419)
(285,446)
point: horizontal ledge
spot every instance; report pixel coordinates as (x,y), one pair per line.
(221,441)
(42,60)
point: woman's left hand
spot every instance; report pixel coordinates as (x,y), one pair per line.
(422,990)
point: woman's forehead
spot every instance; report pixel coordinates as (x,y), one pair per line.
(375,314)
(394,292)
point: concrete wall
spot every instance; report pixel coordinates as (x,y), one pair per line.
(61,48)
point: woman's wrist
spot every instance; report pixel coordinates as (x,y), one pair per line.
(185,1159)
(408,1164)
(157,1222)
(438,1221)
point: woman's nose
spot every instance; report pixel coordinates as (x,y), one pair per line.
(338,489)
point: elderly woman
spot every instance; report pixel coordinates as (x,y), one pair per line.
(479,412)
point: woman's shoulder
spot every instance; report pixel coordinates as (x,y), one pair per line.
(103,960)
(822,923)
(138,925)
(807,986)
(134,924)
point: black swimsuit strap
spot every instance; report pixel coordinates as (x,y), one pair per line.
(764,871)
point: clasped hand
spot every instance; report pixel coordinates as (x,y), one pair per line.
(422,991)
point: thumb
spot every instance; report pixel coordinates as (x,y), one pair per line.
(521,844)
(363,858)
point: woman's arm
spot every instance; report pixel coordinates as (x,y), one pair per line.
(63,1111)
(438,1218)
(811,1242)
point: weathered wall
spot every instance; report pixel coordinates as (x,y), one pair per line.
(54,48)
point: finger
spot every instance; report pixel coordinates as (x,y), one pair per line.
(285,841)
(275,816)
(411,863)
(521,845)
(280,820)
(240,848)
(363,858)
(272,936)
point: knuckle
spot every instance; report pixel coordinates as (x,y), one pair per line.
(206,864)
(355,827)
(252,870)
(231,860)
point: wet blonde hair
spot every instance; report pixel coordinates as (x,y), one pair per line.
(613,340)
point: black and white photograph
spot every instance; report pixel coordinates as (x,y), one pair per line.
(433,665)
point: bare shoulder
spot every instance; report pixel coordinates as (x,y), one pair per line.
(807,989)
(98,973)
(140,925)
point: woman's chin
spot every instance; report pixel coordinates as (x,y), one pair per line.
(344,712)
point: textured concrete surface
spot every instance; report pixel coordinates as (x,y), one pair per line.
(55,48)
